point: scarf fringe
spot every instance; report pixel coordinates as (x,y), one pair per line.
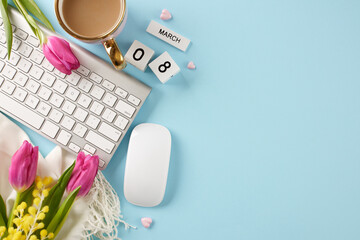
(105,214)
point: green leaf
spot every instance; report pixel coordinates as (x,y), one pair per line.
(31,21)
(7,25)
(32,7)
(3,218)
(55,194)
(2,222)
(59,219)
(25,196)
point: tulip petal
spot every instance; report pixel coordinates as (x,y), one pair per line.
(60,55)
(84,173)
(51,57)
(66,56)
(22,171)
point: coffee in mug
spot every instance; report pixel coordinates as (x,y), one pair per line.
(94,21)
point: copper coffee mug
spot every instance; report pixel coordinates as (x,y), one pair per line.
(107,39)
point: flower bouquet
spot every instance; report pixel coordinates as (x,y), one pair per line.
(97,214)
(38,212)
(56,50)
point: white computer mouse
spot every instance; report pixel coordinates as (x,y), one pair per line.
(147,165)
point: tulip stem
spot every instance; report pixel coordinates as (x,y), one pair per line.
(16,203)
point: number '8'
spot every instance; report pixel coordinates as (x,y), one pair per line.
(163,67)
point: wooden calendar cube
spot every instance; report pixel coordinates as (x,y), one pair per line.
(164,67)
(139,55)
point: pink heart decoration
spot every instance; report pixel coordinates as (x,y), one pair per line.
(146,222)
(191,65)
(165,15)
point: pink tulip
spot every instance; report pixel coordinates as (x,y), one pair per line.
(58,52)
(23,167)
(84,173)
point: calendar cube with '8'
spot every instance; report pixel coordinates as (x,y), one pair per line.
(164,67)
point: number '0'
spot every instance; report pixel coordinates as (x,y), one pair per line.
(142,52)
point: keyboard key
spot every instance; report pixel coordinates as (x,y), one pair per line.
(59,74)
(96,78)
(25,50)
(48,79)
(64,137)
(20,94)
(100,142)
(1,80)
(50,129)
(2,64)
(90,149)
(14,59)
(3,52)
(97,92)
(36,72)
(74,147)
(134,100)
(85,85)
(60,86)
(8,87)
(56,100)
(20,111)
(121,92)
(45,93)
(32,101)
(80,114)
(109,115)
(21,34)
(84,101)
(8,72)
(36,57)
(13,28)
(125,109)
(72,93)
(47,65)
(33,41)
(24,65)
(80,130)
(56,115)
(92,122)
(83,70)
(68,107)
(21,79)
(16,44)
(44,108)
(121,122)
(2,37)
(73,78)
(101,163)
(33,86)
(68,123)
(108,85)
(97,108)
(109,99)
(109,131)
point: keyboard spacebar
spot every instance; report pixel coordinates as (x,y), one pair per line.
(100,142)
(21,112)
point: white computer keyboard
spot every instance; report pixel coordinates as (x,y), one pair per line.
(89,110)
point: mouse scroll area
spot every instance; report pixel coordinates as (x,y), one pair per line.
(147,165)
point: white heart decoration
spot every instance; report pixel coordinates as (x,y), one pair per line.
(146,222)
(165,15)
(191,65)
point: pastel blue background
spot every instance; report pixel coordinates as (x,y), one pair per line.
(265,131)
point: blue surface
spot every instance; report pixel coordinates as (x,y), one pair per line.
(265,131)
